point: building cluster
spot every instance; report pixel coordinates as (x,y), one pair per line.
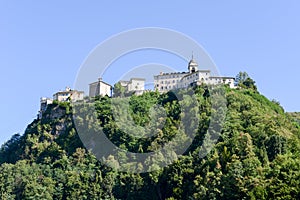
(163,82)
(67,95)
(168,81)
(98,88)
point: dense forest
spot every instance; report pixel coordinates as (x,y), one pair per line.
(256,156)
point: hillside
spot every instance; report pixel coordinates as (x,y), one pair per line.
(257,155)
(295,116)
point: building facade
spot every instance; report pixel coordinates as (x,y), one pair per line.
(68,95)
(168,81)
(134,85)
(100,88)
(44,105)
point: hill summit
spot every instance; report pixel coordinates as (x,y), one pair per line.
(256,156)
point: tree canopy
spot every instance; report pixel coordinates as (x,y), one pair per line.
(243,80)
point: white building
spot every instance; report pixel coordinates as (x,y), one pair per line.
(68,95)
(222,80)
(100,88)
(168,81)
(134,85)
(44,105)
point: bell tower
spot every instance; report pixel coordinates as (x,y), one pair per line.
(193,65)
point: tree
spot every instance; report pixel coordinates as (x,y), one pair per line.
(119,90)
(244,81)
(241,77)
(250,83)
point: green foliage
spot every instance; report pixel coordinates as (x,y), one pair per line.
(256,157)
(243,80)
(119,90)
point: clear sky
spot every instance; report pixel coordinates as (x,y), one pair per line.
(43,44)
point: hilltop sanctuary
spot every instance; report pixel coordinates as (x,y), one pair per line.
(168,81)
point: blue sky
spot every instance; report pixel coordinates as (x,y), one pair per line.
(43,44)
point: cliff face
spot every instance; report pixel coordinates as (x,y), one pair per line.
(257,155)
(56,117)
(55,112)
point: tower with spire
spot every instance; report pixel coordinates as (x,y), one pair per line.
(193,65)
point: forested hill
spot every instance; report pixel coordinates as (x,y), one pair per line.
(257,155)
